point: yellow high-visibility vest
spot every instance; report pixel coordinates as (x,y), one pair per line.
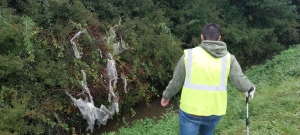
(204,91)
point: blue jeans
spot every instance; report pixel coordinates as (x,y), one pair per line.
(192,125)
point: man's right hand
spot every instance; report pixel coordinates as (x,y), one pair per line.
(250,93)
(164,102)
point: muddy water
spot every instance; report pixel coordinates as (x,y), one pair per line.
(153,110)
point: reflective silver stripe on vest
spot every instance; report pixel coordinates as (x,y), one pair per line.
(187,83)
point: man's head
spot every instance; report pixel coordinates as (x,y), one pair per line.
(211,31)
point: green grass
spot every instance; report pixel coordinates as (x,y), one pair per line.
(275,109)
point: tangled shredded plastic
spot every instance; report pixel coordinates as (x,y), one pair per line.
(118,47)
(76,52)
(87,107)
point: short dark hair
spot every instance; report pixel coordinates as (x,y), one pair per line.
(211,31)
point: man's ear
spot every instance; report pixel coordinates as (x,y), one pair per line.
(219,38)
(202,37)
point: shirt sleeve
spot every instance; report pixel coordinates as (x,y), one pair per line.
(176,84)
(237,77)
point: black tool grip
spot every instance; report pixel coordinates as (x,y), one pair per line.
(247,122)
(247,98)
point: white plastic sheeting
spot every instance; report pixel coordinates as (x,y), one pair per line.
(118,46)
(92,113)
(83,85)
(112,75)
(125,82)
(111,36)
(87,107)
(100,53)
(76,52)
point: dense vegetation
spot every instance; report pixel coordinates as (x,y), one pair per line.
(37,64)
(275,109)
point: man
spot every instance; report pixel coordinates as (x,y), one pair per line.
(202,73)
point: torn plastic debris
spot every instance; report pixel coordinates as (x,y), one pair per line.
(112,73)
(111,69)
(125,82)
(83,85)
(120,46)
(92,113)
(100,53)
(88,109)
(111,35)
(124,44)
(76,53)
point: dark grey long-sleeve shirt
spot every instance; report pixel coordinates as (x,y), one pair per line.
(217,49)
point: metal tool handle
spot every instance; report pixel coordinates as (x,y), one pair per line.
(247,117)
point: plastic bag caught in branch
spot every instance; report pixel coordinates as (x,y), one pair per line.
(125,82)
(83,85)
(88,109)
(112,74)
(92,113)
(118,46)
(111,35)
(76,52)
(100,53)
